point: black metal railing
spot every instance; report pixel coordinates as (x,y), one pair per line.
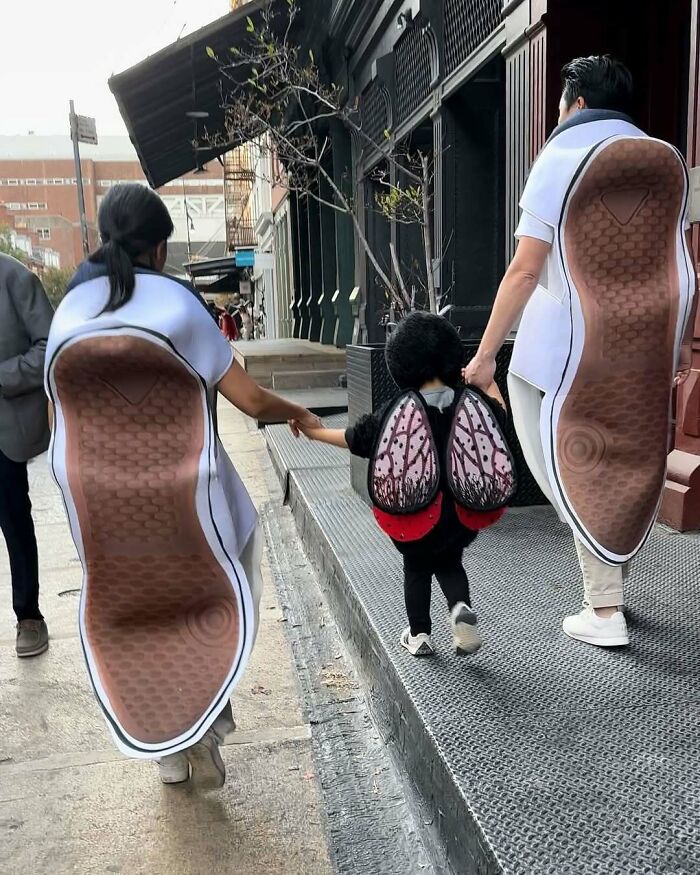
(239,234)
(467,23)
(413,73)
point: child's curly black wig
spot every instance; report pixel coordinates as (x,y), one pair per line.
(424,347)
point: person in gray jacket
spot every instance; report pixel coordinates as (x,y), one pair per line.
(25,319)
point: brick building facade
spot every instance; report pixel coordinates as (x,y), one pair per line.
(38,195)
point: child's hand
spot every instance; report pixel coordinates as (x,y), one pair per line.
(495,393)
(309,423)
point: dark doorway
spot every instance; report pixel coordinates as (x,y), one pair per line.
(652,37)
(474,197)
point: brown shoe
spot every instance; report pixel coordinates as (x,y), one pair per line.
(32,638)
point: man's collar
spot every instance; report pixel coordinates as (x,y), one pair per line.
(584,116)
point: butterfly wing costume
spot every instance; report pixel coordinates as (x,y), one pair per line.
(410,475)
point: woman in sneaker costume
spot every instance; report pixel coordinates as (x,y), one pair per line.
(604,274)
(166,532)
(439,471)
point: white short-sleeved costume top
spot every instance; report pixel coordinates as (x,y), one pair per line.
(542,344)
(174,311)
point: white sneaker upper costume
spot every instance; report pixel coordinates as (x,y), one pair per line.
(601,334)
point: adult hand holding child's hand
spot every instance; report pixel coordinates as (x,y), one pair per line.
(304,423)
(480,371)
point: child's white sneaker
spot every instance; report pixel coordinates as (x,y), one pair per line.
(588,627)
(417,645)
(465,634)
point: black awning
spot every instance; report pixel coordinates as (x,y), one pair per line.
(156,95)
(212,266)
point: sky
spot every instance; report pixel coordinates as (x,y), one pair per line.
(55,50)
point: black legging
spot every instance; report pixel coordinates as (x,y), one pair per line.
(418,574)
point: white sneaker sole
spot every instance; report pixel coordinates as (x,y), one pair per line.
(466,639)
(208,769)
(423,649)
(621,641)
(169,780)
(37,651)
(173,782)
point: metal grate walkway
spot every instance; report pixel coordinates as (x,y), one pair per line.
(538,755)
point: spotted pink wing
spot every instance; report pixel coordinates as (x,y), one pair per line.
(480,466)
(404,472)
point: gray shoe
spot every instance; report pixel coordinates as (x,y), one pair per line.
(32,638)
(208,770)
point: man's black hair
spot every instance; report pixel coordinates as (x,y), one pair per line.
(602,81)
(424,347)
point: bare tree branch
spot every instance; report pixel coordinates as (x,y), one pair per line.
(271,93)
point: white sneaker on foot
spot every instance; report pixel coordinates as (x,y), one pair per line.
(174,769)
(465,634)
(417,645)
(208,769)
(588,627)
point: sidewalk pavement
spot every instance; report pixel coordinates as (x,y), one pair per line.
(70,803)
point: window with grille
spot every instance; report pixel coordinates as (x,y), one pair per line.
(44,233)
(375,113)
(413,72)
(467,24)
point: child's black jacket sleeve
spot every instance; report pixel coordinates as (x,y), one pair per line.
(362,436)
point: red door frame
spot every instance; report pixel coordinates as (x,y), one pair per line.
(681,501)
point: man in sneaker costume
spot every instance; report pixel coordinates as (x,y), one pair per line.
(604,276)
(25,319)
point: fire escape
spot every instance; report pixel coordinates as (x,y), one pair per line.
(239,177)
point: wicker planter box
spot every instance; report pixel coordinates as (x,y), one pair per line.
(370,386)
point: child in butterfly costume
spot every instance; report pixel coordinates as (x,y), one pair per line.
(440,470)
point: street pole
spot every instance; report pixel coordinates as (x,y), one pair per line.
(187,222)
(79,180)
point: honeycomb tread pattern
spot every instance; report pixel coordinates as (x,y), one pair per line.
(161,618)
(612,433)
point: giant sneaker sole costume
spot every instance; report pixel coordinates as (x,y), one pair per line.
(616,317)
(166,615)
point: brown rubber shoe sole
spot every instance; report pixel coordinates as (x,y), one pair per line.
(621,242)
(160,618)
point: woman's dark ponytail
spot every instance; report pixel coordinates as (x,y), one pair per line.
(120,270)
(133,220)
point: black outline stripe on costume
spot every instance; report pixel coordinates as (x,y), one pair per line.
(586,537)
(210,433)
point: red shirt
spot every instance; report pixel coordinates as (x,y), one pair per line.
(228,326)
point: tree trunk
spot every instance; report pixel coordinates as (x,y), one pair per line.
(399,277)
(363,240)
(427,232)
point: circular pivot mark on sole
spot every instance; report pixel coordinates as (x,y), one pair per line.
(212,623)
(581,448)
